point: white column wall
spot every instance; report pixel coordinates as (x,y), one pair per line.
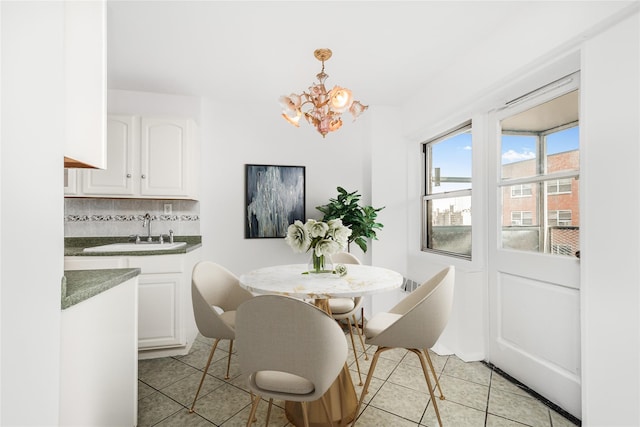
(31,227)
(610,233)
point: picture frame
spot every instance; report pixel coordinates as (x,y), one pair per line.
(274,199)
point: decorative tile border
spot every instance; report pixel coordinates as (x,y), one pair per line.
(128,218)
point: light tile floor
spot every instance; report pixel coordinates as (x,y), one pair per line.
(475,394)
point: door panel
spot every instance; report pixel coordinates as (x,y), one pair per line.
(534,279)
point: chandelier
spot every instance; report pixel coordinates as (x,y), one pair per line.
(320,108)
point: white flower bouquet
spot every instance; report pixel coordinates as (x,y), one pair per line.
(324,238)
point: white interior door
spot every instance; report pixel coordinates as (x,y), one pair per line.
(534,275)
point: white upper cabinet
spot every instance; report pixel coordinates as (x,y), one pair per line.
(147,157)
(118,178)
(164,156)
(85,83)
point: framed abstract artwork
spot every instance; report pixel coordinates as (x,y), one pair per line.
(274,198)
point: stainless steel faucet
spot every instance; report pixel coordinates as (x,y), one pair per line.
(147,223)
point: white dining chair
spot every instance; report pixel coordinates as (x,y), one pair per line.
(347,308)
(215,294)
(289,350)
(415,323)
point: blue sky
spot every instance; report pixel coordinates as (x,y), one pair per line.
(517,148)
(453,156)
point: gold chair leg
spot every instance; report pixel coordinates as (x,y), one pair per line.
(305,414)
(368,381)
(229,359)
(433,371)
(254,406)
(355,354)
(266,423)
(360,331)
(204,374)
(426,377)
(251,399)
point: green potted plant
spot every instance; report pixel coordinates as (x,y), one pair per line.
(361,219)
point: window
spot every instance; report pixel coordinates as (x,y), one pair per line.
(521,218)
(559,186)
(446,216)
(539,174)
(559,217)
(522,190)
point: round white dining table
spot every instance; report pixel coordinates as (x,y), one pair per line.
(296,281)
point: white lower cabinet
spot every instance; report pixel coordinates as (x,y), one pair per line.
(98,360)
(159,308)
(166,325)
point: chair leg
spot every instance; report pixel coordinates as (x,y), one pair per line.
(368,381)
(254,406)
(305,414)
(251,399)
(355,354)
(366,357)
(229,359)
(426,377)
(204,374)
(359,331)
(266,423)
(433,371)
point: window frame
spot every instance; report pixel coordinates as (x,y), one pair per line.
(426,219)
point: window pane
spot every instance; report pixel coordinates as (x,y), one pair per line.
(449,225)
(518,156)
(451,163)
(562,150)
(523,229)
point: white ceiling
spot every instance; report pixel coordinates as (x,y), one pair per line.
(253,52)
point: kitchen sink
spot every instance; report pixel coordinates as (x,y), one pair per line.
(136,247)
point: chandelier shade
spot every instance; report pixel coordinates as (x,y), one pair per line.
(321,108)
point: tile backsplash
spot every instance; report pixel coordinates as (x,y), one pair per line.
(124,217)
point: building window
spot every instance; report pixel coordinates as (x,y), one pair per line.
(446,215)
(559,217)
(521,218)
(559,186)
(522,190)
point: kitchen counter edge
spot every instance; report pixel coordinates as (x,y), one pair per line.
(80,285)
(74,246)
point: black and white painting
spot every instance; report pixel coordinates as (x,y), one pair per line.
(274,199)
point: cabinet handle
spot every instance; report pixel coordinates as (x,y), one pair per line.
(128,175)
(144,176)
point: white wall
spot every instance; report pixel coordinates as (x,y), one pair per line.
(610,233)
(32,207)
(235,136)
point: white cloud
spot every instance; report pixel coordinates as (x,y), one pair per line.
(468,147)
(513,156)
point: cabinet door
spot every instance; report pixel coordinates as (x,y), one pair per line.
(164,157)
(70,182)
(119,176)
(159,311)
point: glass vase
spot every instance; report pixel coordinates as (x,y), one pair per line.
(320,264)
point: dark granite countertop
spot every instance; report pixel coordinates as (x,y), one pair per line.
(80,285)
(74,246)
